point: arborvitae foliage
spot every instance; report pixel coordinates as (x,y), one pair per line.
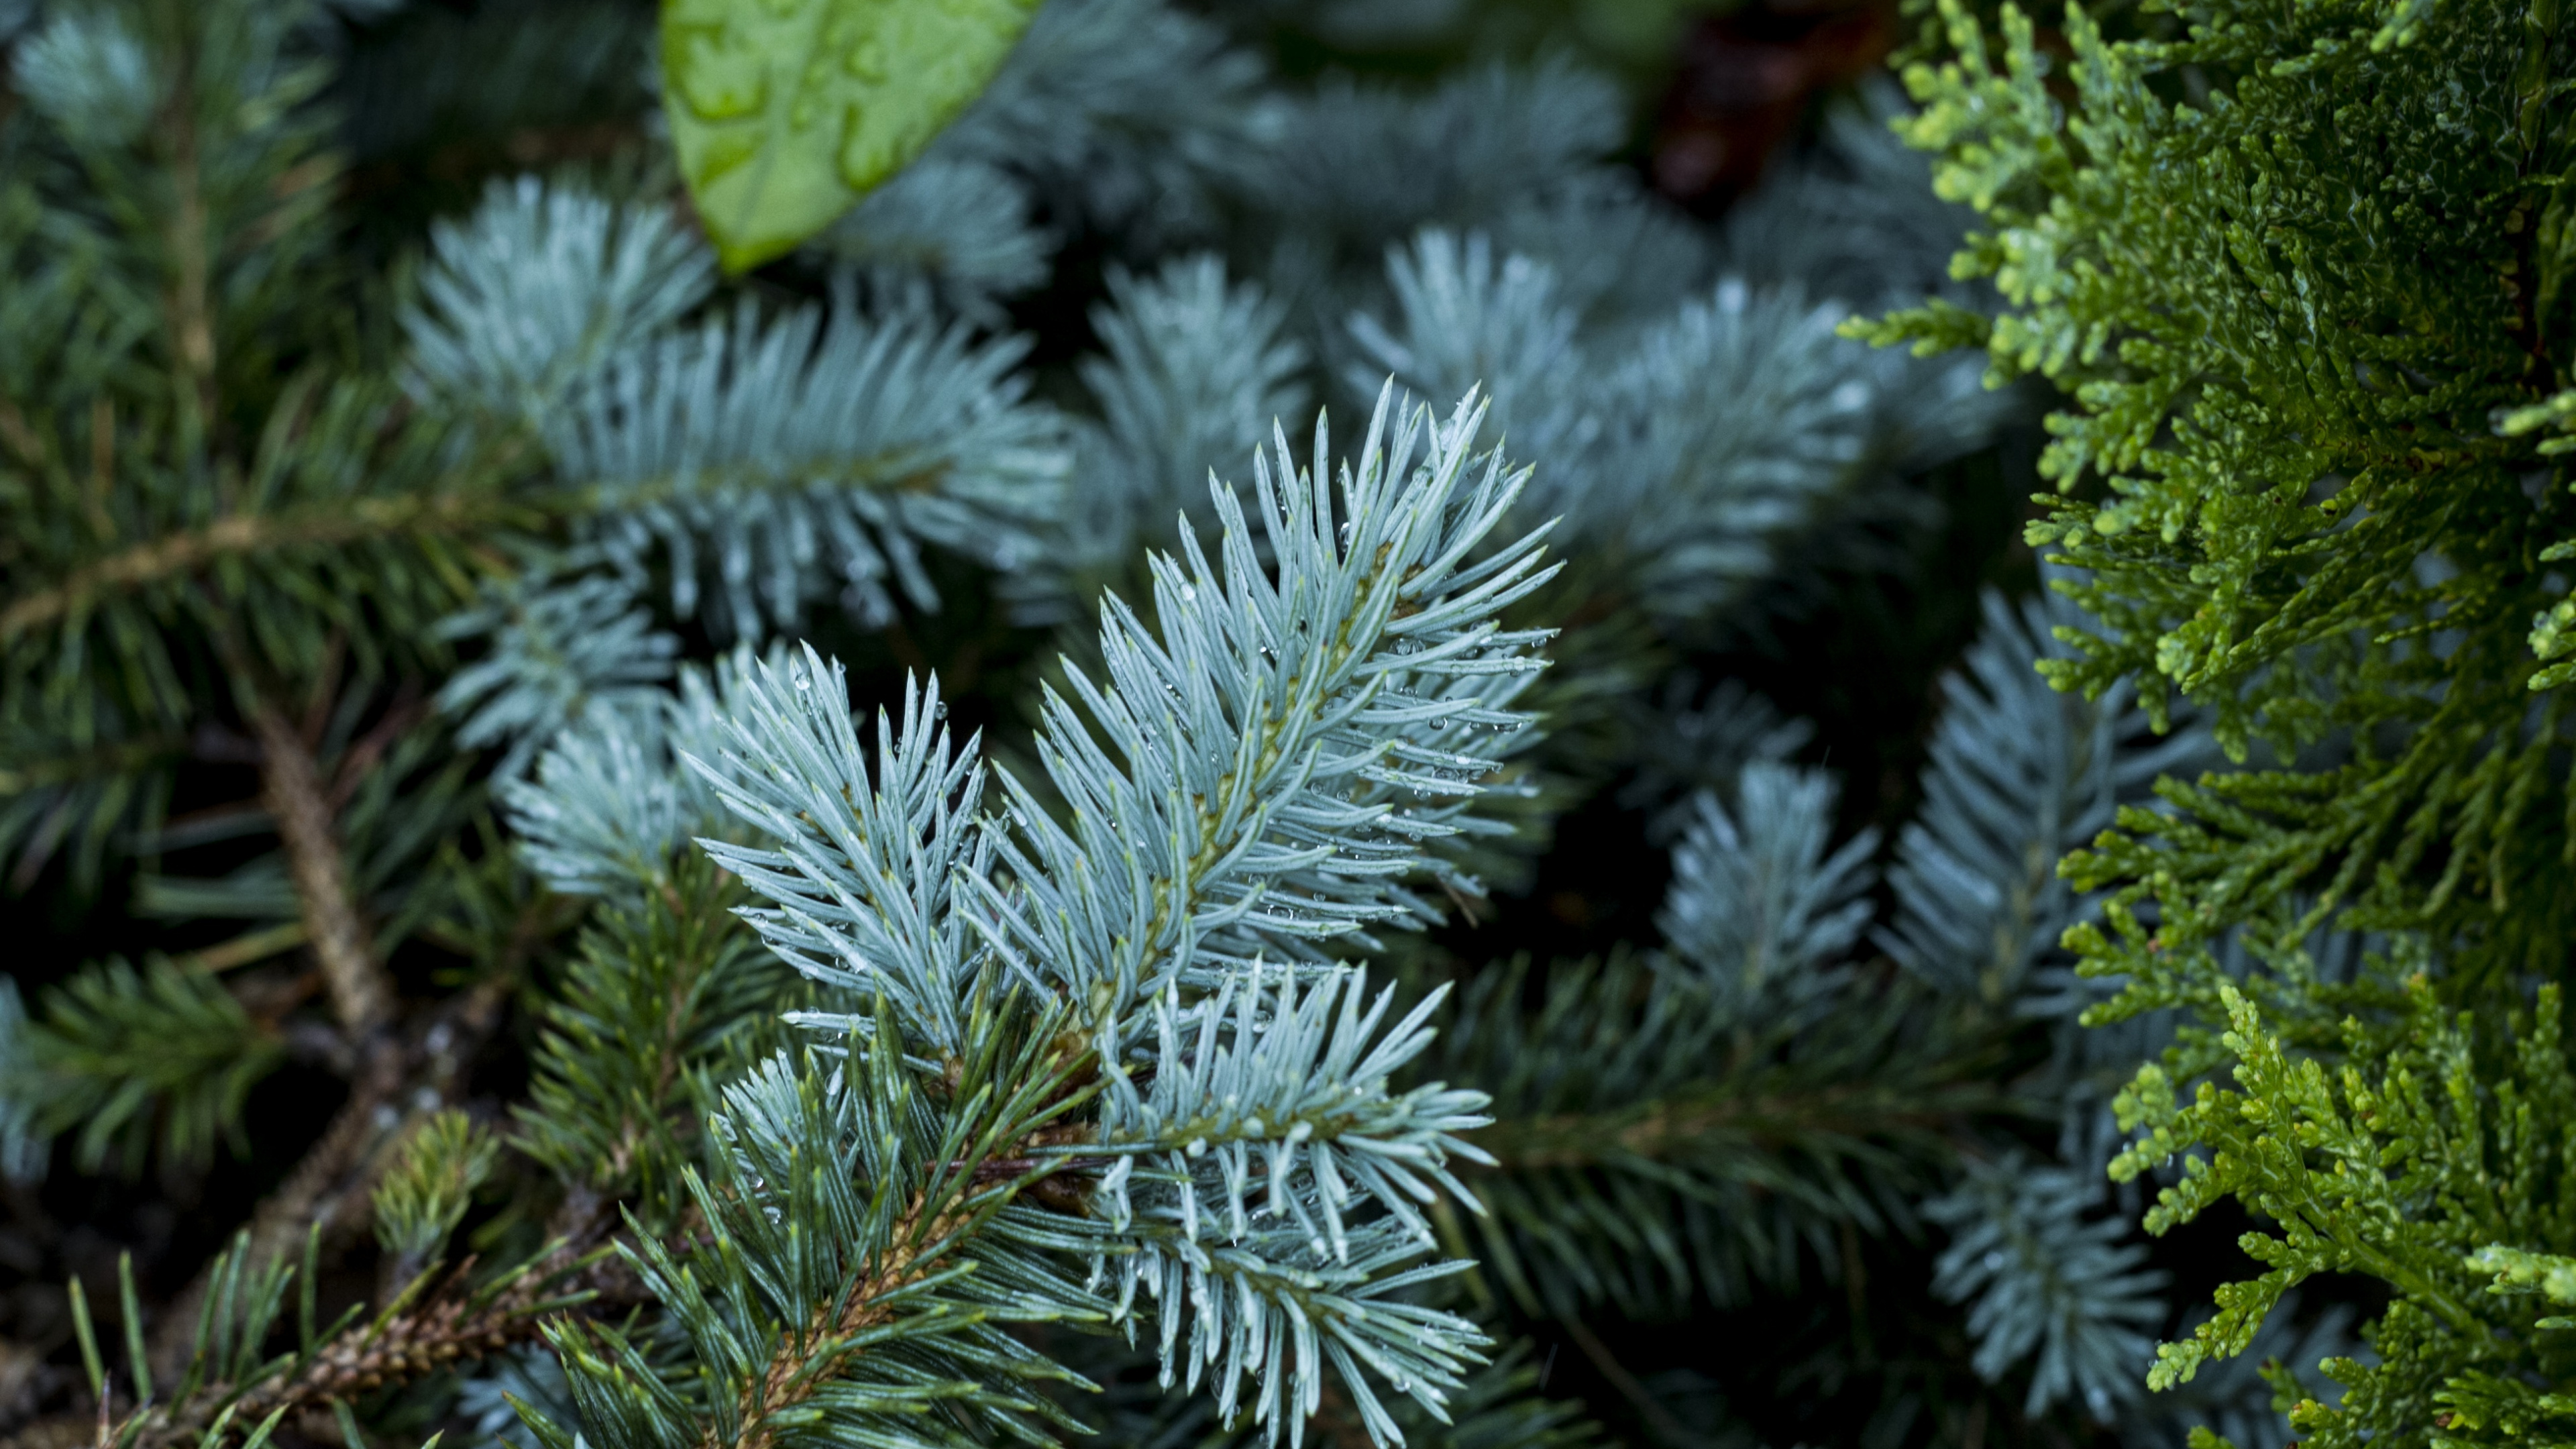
(958,839)
(2302,272)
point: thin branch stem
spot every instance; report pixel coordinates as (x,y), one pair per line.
(450,1325)
(398,1086)
(177,555)
(343,522)
(291,785)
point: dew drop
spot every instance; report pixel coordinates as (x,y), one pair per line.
(939,710)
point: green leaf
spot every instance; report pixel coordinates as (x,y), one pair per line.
(786,112)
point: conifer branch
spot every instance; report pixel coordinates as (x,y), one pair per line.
(177,555)
(1096,1049)
(327,1190)
(292,789)
(805,1362)
(439,1321)
(450,1328)
(434,513)
(2317,494)
(664,987)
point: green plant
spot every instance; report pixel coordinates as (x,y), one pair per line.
(856,846)
(2301,273)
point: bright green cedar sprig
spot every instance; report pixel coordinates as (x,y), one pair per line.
(2300,274)
(2293,268)
(2422,1169)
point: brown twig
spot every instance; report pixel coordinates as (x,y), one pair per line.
(791,1377)
(315,1195)
(362,994)
(445,1329)
(354,1149)
(448,1327)
(451,1325)
(398,1085)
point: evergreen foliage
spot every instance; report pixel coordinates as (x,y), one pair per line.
(884,851)
(123,1052)
(2300,274)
